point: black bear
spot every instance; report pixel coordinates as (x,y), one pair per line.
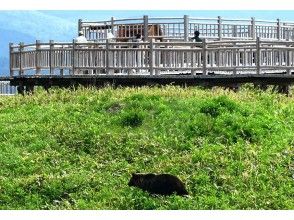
(161,184)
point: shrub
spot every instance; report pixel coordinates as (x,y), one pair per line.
(132,119)
(216,106)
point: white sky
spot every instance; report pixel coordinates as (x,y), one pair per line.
(148,4)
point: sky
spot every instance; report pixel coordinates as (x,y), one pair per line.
(106,14)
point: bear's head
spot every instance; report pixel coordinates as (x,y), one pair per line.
(135,180)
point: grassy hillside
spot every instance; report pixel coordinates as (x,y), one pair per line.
(77,149)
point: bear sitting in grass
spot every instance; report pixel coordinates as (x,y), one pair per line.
(161,184)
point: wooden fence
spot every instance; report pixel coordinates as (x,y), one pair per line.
(183,28)
(149,58)
(6,89)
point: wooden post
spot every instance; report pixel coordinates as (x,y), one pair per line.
(288,61)
(151,58)
(112,25)
(219,21)
(235,60)
(253,31)
(21,48)
(105,31)
(234,32)
(11,59)
(80,25)
(156,61)
(51,52)
(145,19)
(204,55)
(61,70)
(37,56)
(278,29)
(107,57)
(73,57)
(193,59)
(257,61)
(186,27)
(286,32)
(291,34)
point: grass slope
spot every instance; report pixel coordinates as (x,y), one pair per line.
(77,149)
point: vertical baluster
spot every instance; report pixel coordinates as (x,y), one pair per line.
(73,57)
(186,27)
(193,60)
(257,61)
(107,57)
(11,59)
(21,58)
(51,57)
(204,55)
(151,58)
(278,29)
(219,21)
(37,57)
(145,19)
(235,59)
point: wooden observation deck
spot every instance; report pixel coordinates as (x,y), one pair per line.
(232,52)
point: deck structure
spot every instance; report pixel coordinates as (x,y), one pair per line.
(182,28)
(232,52)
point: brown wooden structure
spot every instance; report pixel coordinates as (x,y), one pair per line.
(125,32)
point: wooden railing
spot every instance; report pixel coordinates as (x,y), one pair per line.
(6,89)
(182,28)
(149,58)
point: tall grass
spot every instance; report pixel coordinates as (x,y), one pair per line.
(77,149)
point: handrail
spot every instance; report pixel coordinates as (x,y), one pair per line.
(147,58)
(184,27)
(222,42)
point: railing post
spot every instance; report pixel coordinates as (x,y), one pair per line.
(219,22)
(51,69)
(10,59)
(289,61)
(253,30)
(61,70)
(186,27)
(112,25)
(235,60)
(258,65)
(278,29)
(80,25)
(193,59)
(204,55)
(145,19)
(286,33)
(107,57)
(21,48)
(151,58)
(73,57)
(234,31)
(105,31)
(37,56)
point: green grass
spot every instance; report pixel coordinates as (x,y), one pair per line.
(77,149)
